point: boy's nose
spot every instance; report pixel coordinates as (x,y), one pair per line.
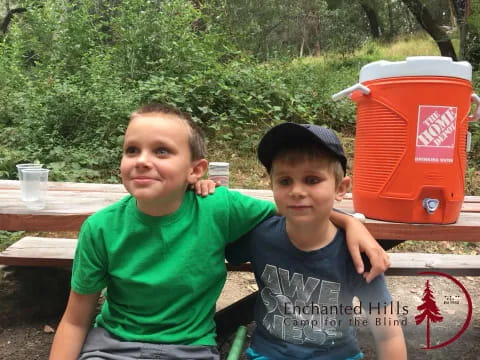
(297,191)
(143,159)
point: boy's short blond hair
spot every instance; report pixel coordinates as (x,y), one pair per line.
(196,139)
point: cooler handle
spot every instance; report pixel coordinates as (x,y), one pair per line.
(365,90)
(476,114)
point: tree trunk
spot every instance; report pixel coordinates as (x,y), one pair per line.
(427,22)
(390,21)
(8,18)
(459,9)
(372,20)
(428,332)
(316,32)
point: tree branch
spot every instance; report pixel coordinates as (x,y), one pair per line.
(427,22)
(9,17)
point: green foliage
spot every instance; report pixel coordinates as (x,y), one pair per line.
(84,164)
(474,128)
(8,159)
(292,28)
(71,73)
(344,21)
(7,238)
(472,50)
(235,102)
(472,181)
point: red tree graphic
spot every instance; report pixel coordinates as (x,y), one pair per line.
(429,310)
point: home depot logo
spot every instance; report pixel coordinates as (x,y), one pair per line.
(436,129)
(430,310)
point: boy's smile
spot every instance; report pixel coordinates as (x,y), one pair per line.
(143,180)
(156,164)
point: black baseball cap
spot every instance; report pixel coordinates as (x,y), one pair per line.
(287,134)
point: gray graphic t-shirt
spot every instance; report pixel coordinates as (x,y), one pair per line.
(305,309)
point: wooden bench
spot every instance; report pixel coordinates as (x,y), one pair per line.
(59,252)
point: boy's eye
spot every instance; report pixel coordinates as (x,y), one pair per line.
(312,180)
(162,151)
(131,150)
(284,181)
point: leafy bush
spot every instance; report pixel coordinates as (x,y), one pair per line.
(7,238)
(8,159)
(71,73)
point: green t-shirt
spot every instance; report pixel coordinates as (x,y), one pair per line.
(163,274)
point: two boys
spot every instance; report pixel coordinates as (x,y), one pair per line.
(159,252)
(301,263)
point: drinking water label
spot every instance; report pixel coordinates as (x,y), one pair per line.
(436,128)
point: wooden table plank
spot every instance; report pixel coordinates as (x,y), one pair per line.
(467,228)
(63,191)
(89,201)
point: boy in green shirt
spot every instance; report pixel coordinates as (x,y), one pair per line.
(159,252)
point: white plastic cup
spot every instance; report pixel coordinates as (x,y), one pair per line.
(20,167)
(219,171)
(34,187)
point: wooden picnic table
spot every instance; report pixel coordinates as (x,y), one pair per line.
(69,204)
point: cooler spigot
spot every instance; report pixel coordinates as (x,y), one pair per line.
(430,205)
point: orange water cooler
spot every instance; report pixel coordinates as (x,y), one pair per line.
(411,138)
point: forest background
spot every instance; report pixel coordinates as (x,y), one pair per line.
(71,72)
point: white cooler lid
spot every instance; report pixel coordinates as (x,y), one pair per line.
(417,66)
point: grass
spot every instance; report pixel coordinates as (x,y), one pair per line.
(417,45)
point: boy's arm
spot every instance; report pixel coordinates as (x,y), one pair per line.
(74,326)
(360,240)
(389,339)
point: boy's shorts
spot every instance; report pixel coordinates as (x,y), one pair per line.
(101,345)
(253,355)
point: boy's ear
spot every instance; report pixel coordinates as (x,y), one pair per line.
(199,167)
(342,188)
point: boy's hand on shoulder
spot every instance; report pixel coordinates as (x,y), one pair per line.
(379,262)
(359,240)
(204,187)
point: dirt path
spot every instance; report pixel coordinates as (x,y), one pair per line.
(33,298)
